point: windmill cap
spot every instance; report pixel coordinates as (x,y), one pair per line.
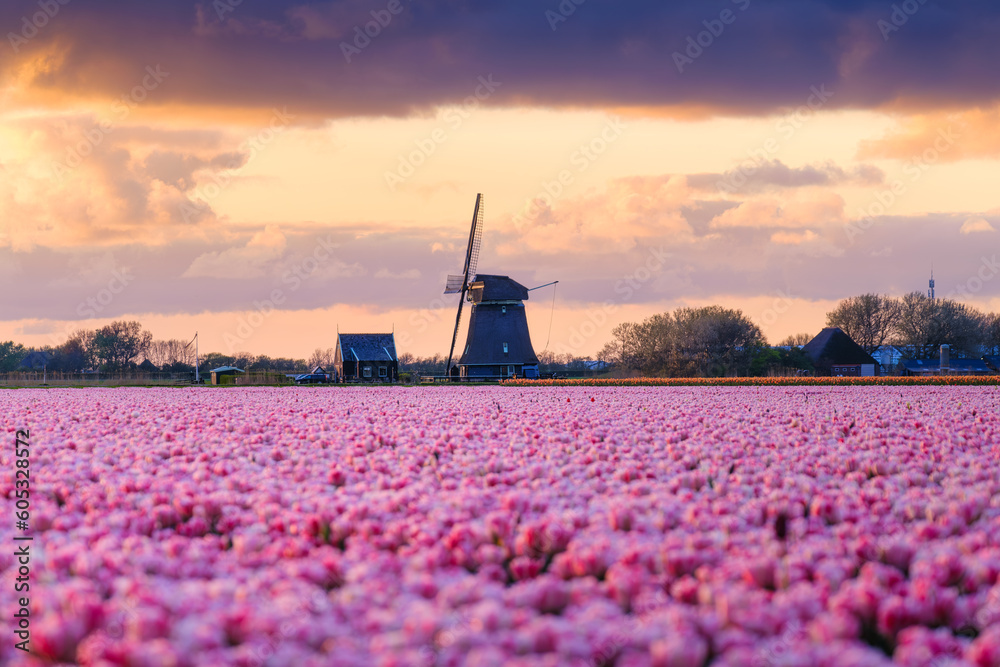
(498,288)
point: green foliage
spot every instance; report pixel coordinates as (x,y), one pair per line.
(119,344)
(690,342)
(11,354)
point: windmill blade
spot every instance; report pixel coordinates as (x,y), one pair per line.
(471,260)
(475,239)
(454,284)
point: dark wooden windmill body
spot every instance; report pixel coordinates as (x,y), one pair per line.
(498,344)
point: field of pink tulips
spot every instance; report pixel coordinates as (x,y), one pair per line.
(667,526)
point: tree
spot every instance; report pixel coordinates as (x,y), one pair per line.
(120,343)
(11,354)
(991,333)
(169,352)
(76,354)
(324,358)
(926,324)
(796,340)
(623,350)
(710,341)
(870,320)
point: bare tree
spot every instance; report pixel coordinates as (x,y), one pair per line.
(322,357)
(991,333)
(796,340)
(925,324)
(871,320)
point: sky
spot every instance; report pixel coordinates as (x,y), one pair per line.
(268,173)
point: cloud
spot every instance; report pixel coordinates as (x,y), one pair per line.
(944,136)
(794,238)
(809,209)
(976,225)
(774,174)
(410,274)
(431,54)
(250,261)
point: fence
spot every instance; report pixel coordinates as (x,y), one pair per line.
(55,379)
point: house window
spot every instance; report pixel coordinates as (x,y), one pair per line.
(382,372)
(367,371)
(510,370)
(505,348)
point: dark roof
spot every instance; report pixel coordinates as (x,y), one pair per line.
(498,288)
(833,346)
(36,359)
(933,365)
(993,362)
(367,347)
(489,328)
(226,369)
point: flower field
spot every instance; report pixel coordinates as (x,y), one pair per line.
(668,526)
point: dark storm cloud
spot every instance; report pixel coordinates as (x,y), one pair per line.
(764,55)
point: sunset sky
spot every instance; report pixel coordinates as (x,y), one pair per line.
(264,172)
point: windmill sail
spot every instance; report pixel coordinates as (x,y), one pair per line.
(460,284)
(454,284)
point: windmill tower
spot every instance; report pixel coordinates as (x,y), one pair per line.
(498,343)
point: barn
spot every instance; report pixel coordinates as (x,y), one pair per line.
(834,353)
(366,357)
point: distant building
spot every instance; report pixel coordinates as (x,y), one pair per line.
(954,367)
(365,357)
(224,371)
(833,353)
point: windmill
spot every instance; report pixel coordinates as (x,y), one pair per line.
(498,343)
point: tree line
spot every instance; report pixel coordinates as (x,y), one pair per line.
(125,346)
(917,325)
(698,342)
(714,341)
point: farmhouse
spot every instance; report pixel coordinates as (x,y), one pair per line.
(366,357)
(833,353)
